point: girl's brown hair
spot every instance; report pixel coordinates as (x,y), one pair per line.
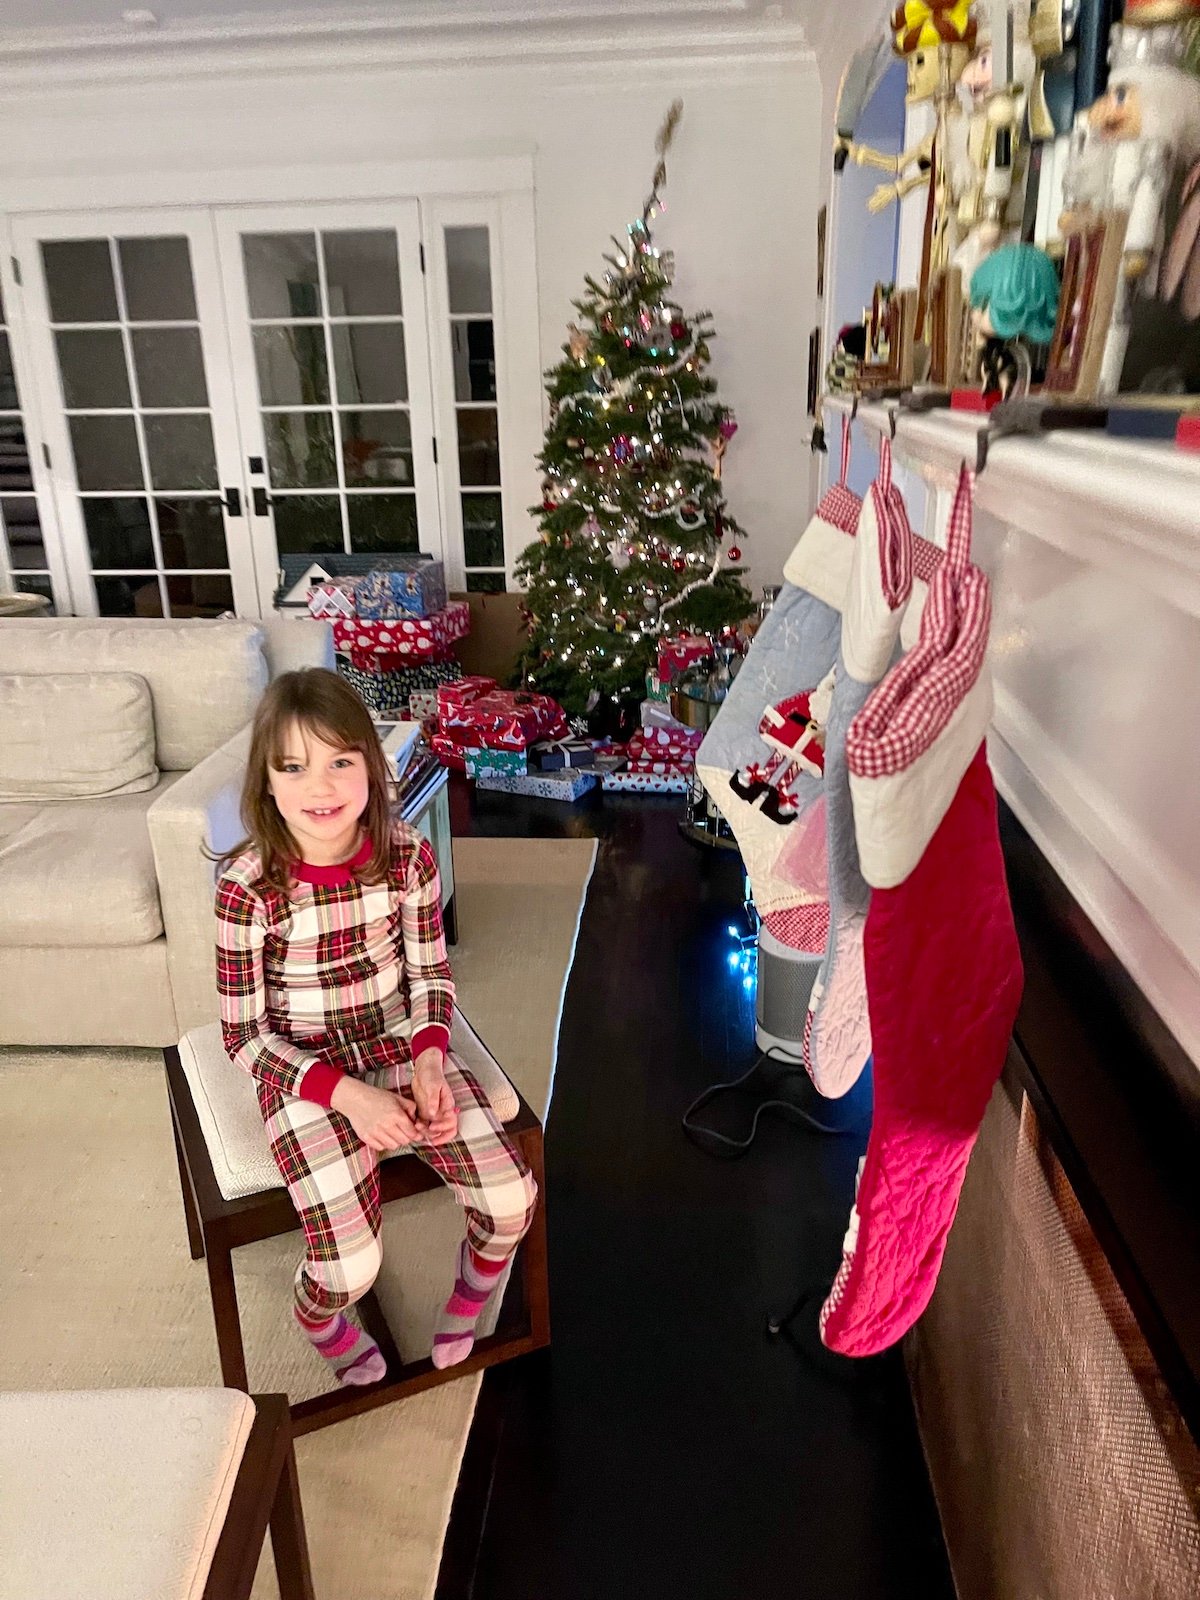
(324,706)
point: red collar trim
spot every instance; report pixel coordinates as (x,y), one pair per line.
(335,876)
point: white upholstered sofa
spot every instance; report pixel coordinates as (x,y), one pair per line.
(121,750)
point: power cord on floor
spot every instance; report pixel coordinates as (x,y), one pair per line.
(721,1144)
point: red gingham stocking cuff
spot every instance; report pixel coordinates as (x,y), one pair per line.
(319,1082)
(433,1036)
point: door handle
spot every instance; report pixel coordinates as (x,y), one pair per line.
(232,501)
(262,500)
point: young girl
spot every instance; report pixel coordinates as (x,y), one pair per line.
(337,997)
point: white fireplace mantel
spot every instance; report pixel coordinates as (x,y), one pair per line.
(1093,548)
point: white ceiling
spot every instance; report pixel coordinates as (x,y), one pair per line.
(179,14)
(37,33)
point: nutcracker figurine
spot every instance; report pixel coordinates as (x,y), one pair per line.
(1135,160)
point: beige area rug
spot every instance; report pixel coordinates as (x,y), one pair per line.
(97,1289)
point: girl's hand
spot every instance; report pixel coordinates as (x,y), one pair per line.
(382,1120)
(435,1104)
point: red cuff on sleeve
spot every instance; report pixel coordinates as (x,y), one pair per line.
(319,1082)
(433,1036)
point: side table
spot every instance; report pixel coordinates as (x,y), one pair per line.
(428,810)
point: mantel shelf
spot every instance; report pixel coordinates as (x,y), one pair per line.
(1129,505)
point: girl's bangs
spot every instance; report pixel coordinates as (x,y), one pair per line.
(313,728)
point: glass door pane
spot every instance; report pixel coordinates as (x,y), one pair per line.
(328,331)
(131,326)
(23,555)
(472,339)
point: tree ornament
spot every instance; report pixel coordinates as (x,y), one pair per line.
(678,564)
(689,515)
(678,328)
(578,342)
(735,553)
(618,554)
(622,448)
(727,426)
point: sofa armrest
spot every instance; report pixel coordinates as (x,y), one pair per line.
(202,809)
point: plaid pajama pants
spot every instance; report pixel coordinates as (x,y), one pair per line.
(333,1181)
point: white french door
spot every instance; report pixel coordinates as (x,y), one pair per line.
(327,330)
(226,394)
(124,316)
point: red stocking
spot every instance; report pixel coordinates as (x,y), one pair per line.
(942,963)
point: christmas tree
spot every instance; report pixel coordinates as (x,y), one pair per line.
(633,524)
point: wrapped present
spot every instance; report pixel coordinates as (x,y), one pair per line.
(462,693)
(681,651)
(568,784)
(407,586)
(422,674)
(449,753)
(647,782)
(656,689)
(682,769)
(387,691)
(505,719)
(555,754)
(422,705)
(480,762)
(332,598)
(413,637)
(382,692)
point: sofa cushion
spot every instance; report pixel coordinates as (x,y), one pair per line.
(79,872)
(117,1494)
(205,677)
(75,736)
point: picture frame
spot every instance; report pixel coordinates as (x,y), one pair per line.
(1091,272)
(892,336)
(949,329)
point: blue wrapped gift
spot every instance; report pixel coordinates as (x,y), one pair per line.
(401,586)
(552,755)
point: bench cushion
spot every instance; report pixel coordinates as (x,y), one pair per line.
(117,1494)
(227,1105)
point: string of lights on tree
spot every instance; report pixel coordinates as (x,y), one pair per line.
(635,536)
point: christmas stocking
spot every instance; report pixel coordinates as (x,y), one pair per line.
(837,1033)
(942,963)
(762,759)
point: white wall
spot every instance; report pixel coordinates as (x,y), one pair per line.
(741,196)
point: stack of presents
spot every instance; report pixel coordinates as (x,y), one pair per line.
(394,629)
(520,743)
(393,626)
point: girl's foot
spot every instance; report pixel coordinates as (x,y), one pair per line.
(455,1336)
(354,1356)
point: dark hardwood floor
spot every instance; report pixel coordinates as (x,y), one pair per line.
(666,1446)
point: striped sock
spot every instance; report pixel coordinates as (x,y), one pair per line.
(477,1277)
(353,1354)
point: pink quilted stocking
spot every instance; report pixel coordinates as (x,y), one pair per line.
(943,967)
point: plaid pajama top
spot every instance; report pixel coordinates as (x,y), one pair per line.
(336,976)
